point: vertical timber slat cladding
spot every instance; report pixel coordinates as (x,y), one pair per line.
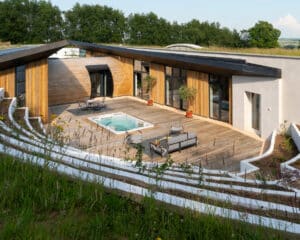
(69,79)
(199,81)
(7,81)
(158,91)
(123,77)
(37,88)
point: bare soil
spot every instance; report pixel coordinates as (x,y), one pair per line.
(35,124)
(296,164)
(4,105)
(284,150)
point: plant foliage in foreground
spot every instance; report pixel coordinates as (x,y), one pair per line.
(36,203)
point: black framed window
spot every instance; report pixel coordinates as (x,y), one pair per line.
(141,70)
(20,83)
(219,97)
(174,79)
(255,100)
(101,84)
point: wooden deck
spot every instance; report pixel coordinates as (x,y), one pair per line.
(220,147)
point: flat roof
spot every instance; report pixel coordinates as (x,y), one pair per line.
(20,56)
(228,66)
(206,64)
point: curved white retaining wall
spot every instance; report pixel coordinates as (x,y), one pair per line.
(164,197)
(295,134)
(11,110)
(28,124)
(41,125)
(115,162)
(247,167)
(136,175)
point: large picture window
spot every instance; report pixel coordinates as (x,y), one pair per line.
(219,97)
(175,78)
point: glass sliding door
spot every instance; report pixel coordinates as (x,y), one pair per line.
(101,84)
(168,91)
(141,70)
(175,78)
(219,97)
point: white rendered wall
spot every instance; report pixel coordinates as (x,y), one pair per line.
(290,85)
(270,110)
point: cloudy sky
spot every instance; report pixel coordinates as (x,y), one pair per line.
(238,14)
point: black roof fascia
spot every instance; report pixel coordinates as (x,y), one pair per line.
(31,54)
(198,63)
(205,64)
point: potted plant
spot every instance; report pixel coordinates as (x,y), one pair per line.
(188,94)
(151,82)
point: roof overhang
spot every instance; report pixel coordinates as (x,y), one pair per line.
(217,65)
(204,64)
(25,56)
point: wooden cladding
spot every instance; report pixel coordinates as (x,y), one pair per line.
(69,79)
(199,81)
(158,91)
(37,88)
(122,74)
(7,81)
(94,54)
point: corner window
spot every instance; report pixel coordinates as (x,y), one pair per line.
(20,80)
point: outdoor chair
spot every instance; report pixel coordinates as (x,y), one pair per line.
(134,139)
(82,106)
(95,104)
(174,143)
(174,130)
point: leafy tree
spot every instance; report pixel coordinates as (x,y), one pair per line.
(95,23)
(47,25)
(29,21)
(148,29)
(13,20)
(206,34)
(263,35)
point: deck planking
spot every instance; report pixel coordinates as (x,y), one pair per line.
(220,147)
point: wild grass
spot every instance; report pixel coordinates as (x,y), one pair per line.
(264,51)
(36,203)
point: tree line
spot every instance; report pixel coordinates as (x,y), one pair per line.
(33,21)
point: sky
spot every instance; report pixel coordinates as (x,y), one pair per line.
(235,14)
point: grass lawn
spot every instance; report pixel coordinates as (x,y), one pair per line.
(36,203)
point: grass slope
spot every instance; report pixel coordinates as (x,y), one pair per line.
(36,203)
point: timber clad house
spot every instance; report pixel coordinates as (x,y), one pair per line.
(252,93)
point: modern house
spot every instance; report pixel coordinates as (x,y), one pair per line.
(252,93)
